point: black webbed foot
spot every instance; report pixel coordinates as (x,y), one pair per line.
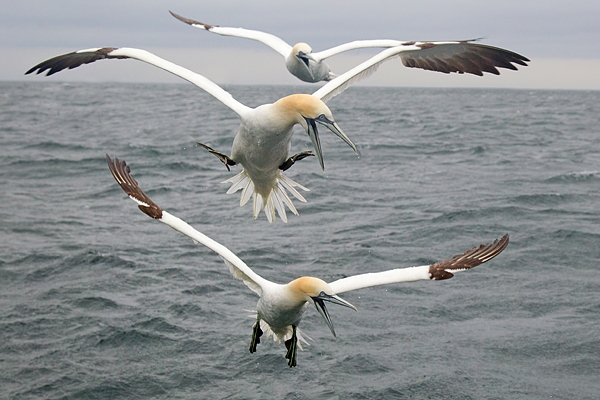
(296,157)
(224,158)
(292,345)
(256,334)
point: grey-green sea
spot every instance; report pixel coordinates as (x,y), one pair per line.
(98,301)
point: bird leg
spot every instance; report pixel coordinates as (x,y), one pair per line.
(292,344)
(296,157)
(256,334)
(224,158)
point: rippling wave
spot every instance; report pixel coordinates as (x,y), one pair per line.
(98,301)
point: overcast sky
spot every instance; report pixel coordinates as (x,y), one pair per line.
(562,38)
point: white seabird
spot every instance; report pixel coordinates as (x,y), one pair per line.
(263,142)
(307,66)
(281,306)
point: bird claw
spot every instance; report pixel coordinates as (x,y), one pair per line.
(224,158)
(296,157)
(292,344)
(256,334)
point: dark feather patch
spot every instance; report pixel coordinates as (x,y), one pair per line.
(122,174)
(469,259)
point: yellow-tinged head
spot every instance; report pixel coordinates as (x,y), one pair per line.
(310,286)
(301,49)
(307,105)
(317,291)
(308,110)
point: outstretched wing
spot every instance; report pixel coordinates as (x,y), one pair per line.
(463,57)
(270,40)
(77,58)
(122,173)
(438,271)
(357,44)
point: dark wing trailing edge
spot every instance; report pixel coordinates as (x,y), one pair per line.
(122,173)
(462,57)
(72,60)
(469,259)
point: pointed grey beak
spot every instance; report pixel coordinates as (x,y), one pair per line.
(313,133)
(305,59)
(320,306)
(333,127)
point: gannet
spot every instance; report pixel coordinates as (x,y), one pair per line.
(281,306)
(263,142)
(461,56)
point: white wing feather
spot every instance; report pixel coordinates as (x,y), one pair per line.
(380,278)
(184,73)
(358,73)
(357,44)
(439,271)
(272,41)
(78,58)
(122,174)
(238,268)
(463,57)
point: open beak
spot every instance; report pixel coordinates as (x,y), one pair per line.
(320,306)
(313,133)
(305,59)
(333,127)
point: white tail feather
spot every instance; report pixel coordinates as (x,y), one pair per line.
(289,185)
(238,182)
(257,205)
(277,200)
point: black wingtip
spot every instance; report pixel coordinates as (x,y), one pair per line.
(469,259)
(190,21)
(122,174)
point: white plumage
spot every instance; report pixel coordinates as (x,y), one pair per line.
(263,143)
(462,56)
(281,306)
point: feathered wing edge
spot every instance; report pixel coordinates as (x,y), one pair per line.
(441,270)
(277,200)
(122,174)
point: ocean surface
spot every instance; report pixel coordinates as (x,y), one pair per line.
(98,301)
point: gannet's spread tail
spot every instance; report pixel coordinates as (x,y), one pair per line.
(276,200)
(281,307)
(462,56)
